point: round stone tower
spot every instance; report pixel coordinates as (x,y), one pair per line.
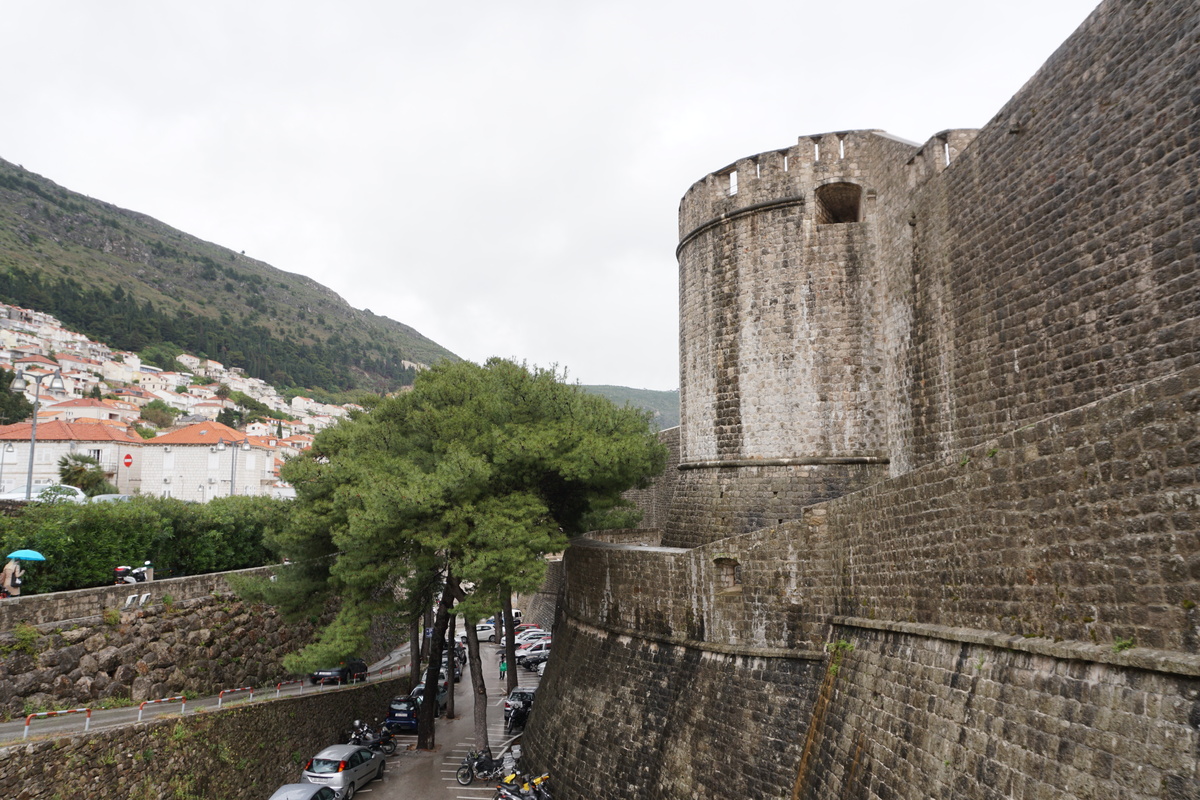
(780,358)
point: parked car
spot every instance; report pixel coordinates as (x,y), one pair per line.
(521,694)
(526,626)
(458,665)
(345,768)
(532,635)
(350,671)
(402,713)
(532,648)
(54,493)
(532,658)
(442,695)
(119,498)
(304,791)
(486,632)
(541,668)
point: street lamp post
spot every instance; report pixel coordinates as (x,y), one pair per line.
(19,384)
(8,448)
(234,446)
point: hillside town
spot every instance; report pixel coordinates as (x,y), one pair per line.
(89,399)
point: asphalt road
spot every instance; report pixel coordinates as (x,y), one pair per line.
(112,717)
(410,773)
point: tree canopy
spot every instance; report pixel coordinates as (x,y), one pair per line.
(13,405)
(84,472)
(471,478)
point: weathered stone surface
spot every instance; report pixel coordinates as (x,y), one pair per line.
(951,431)
(145,653)
(193,755)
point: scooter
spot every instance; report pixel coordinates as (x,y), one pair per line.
(361,734)
(516,719)
(125,575)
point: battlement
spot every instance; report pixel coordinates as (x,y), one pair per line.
(796,173)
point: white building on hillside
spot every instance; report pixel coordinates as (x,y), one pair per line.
(204,461)
(111,445)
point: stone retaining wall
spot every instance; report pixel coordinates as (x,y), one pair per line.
(924,713)
(198,646)
(244,751)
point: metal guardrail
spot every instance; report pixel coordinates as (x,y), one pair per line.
(86,725)
(221,696)
(281,684)
(176,699)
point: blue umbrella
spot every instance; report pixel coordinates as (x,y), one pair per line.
(26,555)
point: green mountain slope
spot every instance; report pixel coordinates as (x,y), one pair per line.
(663,405)
(130,281)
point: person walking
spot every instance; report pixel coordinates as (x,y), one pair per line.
(503,668)
(11,578)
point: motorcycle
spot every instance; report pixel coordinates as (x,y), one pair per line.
(361,734)
(515,787)
(124,575)
(517,717)
(483,767)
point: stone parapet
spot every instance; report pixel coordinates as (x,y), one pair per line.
(87,605)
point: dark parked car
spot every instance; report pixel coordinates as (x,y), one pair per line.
(531,662)
(419,693)
(349,671)
(402,714)
(457,666)
(521,694)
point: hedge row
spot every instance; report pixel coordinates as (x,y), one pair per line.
(82,543)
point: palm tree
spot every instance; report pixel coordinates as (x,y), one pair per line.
(85,472)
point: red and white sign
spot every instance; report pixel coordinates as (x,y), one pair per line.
(128,460)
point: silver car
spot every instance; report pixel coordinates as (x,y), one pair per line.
(304,791)
(345,768)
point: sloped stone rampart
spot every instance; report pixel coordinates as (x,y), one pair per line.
(198,646)
(1023,615)
(924,713)
(651,719)
(244,751)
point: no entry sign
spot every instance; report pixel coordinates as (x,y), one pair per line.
(128,460)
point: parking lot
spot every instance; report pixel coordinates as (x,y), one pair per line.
(416,774)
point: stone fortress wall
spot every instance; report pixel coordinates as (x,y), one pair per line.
(190,635)
(939,414)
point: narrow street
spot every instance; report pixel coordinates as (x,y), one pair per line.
(415,774)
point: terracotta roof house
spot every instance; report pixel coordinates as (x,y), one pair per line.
(108,444)
(87,408)
(26,362)
(206,460)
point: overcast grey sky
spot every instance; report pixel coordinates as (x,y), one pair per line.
(504,177)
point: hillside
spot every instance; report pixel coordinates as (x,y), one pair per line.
(663,405)
(131,281)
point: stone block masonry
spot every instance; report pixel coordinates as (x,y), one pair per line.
(1018,622)
(198,646)
(245,751)
(939,414)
